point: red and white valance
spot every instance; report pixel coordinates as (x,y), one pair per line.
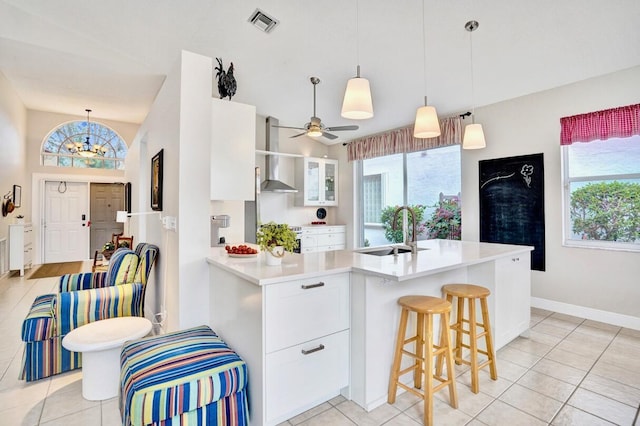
(401,140)
(621,122)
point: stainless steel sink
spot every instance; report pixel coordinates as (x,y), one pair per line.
(386,251)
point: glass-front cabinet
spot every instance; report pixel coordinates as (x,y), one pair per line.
(317,181)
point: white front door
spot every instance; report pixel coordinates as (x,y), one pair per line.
(66,212)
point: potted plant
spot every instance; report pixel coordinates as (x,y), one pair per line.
(275,239)
(107,249)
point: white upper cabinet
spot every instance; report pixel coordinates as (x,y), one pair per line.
(317,182)
(233,144)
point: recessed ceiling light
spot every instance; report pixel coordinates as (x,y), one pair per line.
(262,21)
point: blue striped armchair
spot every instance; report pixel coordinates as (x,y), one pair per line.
(83,298)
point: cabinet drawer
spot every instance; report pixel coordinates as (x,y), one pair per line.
(330,248)
(331,239)
(309,240)
(295,380)
(300,311)
(336,229)
(28,235)
(28,255)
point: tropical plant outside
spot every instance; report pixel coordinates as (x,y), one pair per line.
(608,211)
(445,221)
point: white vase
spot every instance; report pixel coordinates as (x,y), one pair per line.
(274,256)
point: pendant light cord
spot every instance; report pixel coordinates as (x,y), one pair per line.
(357,35)
(471,26)
(424,52)
(473,92)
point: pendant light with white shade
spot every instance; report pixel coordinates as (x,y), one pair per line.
(473,134)
(427,124)
(357,104)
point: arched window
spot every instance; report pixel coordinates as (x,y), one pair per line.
(56,151)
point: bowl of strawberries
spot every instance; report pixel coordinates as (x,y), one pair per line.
(241,250)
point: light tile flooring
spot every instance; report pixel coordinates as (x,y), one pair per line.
(569,372)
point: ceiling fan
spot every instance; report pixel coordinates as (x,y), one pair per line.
(315,127)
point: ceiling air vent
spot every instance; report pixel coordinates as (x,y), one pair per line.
(262,21)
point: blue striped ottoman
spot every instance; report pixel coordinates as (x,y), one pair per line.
(188,377)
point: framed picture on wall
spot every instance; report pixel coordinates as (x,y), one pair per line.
(127,197)
(156,181)
(17,196)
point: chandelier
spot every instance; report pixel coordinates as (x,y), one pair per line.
(86,149)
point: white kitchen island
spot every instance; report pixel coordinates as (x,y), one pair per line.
(324,323)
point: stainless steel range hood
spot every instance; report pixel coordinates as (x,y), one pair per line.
(272,183)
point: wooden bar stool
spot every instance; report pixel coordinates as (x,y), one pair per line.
(471,293)
(425,307)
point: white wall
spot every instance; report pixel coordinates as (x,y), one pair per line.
(346,212)
(179,123)
(597,279)
(194,188)
(13,158)
(160,130)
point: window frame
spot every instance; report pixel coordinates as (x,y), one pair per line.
(567,228)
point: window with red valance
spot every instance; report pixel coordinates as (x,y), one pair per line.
(602,178)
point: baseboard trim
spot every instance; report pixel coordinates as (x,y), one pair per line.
(621,320)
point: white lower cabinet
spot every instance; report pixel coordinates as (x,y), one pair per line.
(307,343)
(512,295)
(293,335)
(20,247)
(304,374)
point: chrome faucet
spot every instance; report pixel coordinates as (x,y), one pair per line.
(409,242)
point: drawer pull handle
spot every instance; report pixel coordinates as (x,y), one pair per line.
(516,259)
(310,351)
(310,286)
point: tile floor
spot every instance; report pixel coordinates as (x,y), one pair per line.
(570,371)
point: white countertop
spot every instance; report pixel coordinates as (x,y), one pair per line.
(439,256)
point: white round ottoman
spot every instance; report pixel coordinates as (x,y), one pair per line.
(100,343)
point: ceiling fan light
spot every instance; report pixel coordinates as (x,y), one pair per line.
(427,124)
(357,104)
(314,133)
(473,137)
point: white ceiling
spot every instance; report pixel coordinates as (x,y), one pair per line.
(112,55)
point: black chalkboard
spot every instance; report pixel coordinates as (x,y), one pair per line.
(512,203)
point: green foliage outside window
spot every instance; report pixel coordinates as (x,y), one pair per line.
(608,211)
(386,219)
